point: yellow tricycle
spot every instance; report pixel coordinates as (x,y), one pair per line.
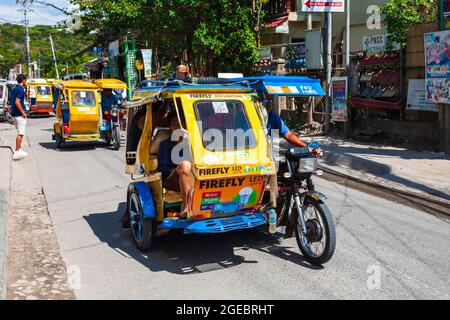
(39,97)
(77,112)
(201,161)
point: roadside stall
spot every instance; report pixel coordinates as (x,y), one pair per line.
(379,79)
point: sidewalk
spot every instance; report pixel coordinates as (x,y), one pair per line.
(35,269)
(5,176)
(423,173)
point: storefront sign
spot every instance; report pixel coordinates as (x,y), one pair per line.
(265,53)
(323,6)
(437,64)
(131,68)
(378,43)
(282,29)
(147,56)
(417,99)
(339,99)
(314,49)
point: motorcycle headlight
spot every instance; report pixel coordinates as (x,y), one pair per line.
(307,165)
(114,112)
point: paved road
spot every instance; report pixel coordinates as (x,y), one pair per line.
(406,250)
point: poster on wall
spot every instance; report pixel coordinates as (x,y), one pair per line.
(147,56)
(339,99)
(417,99)
(437,64)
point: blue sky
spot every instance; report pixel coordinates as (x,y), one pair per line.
(41,14)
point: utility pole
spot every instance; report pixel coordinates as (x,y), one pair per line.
(347,124)
(347,34)
(329,18)
(311,101)
(39,66)
(54,58)
(25,11)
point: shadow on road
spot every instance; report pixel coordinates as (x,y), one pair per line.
(189,254)
(72,146)
(7,147)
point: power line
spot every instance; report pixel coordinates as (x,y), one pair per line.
(43,17)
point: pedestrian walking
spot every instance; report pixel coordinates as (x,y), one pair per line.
(18,113)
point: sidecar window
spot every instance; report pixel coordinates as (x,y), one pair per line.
(224,125)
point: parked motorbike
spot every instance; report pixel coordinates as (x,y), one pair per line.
(302,209)
(7,114)
(110,131)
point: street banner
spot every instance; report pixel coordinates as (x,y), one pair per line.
(323,6)
(437,65)
(378,43)
(314,49)
(339,99)
(417,99)
(147,56)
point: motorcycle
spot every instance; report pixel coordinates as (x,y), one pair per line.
(110,129)
(302,209)
(7,114)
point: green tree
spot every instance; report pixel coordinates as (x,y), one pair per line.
(403,14)
(214,35)
(69,47)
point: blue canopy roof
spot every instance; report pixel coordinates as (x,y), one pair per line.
(177,85)
(285,86)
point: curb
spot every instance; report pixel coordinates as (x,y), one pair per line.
(355,163)
(4,208)
(430,198)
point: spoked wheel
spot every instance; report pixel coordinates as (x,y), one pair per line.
(319,242)
(117,138)
(141,227)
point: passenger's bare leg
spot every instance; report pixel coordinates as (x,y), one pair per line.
(184,170)
(19,139)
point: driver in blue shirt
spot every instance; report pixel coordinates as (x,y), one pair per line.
(108,100)
(274,122)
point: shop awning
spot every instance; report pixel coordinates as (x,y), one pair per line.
(285,86)
(376,104)
(277,22)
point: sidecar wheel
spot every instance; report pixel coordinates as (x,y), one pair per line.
(141,227)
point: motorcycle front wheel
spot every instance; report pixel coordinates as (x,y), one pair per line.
(319,242)
(117,138)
